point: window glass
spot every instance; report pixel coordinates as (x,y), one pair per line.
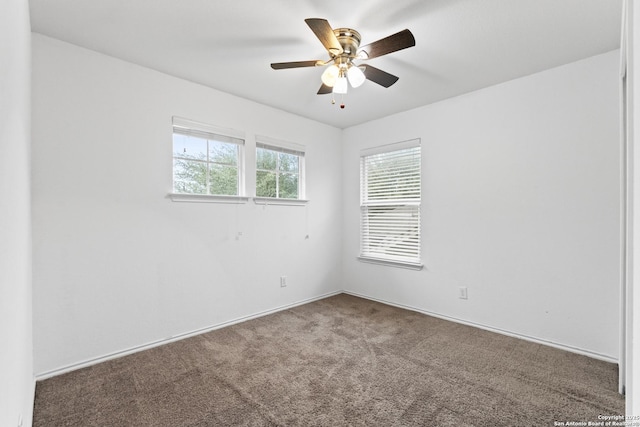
(266,184)
(278,172)
(206,163)
(189,176)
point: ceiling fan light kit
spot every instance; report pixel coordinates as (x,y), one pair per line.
(356,76)
(330,75)
(341,86)
(343,47)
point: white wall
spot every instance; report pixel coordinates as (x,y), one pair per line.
(520,205)
(16,359)
(116,263)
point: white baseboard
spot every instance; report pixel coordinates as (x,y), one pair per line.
(114,355)
(571,349)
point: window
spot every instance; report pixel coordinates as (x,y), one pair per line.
(279,171)
(205,161)
(390,204)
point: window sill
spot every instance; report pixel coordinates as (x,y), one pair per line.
(392,263)
(275,201)
(209,198)
(206,198)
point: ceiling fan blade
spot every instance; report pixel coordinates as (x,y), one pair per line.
(392,43)
(378,76)
(296,64)
(324,89)
(324,33)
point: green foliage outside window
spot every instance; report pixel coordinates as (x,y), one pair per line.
(202,166)
(277,174)
(210,166)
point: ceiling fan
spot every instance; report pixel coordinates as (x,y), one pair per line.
(343,46)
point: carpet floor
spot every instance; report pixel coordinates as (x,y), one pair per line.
(340,361)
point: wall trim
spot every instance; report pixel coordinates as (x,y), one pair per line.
(559,346)
(178,337)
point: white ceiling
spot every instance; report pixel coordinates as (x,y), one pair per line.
(461,45)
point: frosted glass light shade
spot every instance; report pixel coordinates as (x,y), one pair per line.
(356,76)
(330,75)
(340,86)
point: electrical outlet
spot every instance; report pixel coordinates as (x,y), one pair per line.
(283,281)
(462,292)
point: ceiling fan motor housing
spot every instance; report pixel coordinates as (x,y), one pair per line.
(349,39)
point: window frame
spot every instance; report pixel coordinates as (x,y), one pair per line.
(411,204)
(187,127)
(278,146)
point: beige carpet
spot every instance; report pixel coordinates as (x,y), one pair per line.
(341,361)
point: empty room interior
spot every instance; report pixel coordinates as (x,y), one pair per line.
(318,213)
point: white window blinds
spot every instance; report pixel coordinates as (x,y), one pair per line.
(390,203)
(278,149)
